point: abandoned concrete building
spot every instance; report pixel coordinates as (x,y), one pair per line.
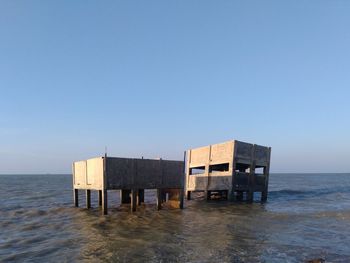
(232,170)
(131,177)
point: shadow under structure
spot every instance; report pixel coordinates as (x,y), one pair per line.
(131,176)
(232,170)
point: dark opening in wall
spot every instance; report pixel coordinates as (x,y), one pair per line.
(222,167)
(197,170)
(243,168)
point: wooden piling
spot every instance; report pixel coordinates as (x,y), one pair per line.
(76,197)
(104,202)
(88,198)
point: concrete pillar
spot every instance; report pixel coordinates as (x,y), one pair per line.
(99,197)
(250,196)
(76,197)
(188,195)
(104,202)
(125,196)
(88,198)
(141,196)
(266,186)
(207,194)
(231,195)
(133,199)
(159,199)
(239,196)
(164,195)
(264,196)
(181,198)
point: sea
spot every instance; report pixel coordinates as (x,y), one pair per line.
(306,217)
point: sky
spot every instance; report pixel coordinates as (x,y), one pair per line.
(154,78)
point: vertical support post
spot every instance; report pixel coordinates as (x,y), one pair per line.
(188,195)
(76,197)
(239,196)
(99,197)
(88,198)
(133,199)
(181,197)
(104,187)
(159,199)
(125,196)
(208,193)
(141,196)
(266,175)
(104,202)
(187,173)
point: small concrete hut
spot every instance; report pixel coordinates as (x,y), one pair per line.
(132,177)
(231,169)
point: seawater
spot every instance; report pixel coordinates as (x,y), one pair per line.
(307,216)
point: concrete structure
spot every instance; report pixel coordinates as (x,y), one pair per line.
(230,169)
(132,177)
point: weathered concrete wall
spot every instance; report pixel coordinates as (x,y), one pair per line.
(127,173)
(227,166)
(124,173)
(88,174)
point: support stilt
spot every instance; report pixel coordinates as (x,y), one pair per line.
(250,196)
(159,199)
(188,195)
(264,196)
(88,198)
(76,197)
(99,197)
(181,198)
(239,196)
(125,196)
(104,202)
(141,196)
(133,199)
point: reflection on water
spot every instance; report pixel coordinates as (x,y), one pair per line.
(307,216)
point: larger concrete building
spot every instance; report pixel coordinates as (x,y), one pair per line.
(234,169)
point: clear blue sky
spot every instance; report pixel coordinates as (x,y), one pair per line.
(153,78)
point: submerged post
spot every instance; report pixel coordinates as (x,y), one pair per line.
(104,187)
(266,177)
(159,199)
(140,196)
(104,202)
(76,197)
(88,198)
(133,199)
(181,198)
(125,196)
(99,197)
